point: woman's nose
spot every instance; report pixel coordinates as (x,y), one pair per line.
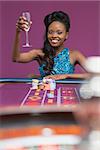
(54,34)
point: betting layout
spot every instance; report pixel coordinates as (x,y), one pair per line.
(47,92)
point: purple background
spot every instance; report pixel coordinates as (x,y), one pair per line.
(84,32)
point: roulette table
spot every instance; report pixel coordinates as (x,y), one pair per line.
(31,119)
(18,92)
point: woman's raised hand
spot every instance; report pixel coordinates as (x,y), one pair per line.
(22,24)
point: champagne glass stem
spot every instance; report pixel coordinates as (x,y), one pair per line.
(27,16)
(27,40)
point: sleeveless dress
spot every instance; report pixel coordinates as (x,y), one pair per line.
(62,64)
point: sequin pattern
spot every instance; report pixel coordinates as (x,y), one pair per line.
(62,64)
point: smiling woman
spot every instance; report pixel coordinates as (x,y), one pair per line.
(56,61)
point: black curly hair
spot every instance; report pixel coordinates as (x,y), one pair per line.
(48,50)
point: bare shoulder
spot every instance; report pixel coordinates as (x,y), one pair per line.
(76,53)
(77,56)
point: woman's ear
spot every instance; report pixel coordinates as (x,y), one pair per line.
(67,35)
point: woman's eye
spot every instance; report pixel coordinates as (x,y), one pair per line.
(50,32)
(59,32)
(53,32)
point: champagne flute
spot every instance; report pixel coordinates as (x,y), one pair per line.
(28,18)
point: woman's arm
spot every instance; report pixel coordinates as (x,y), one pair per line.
(79,58)
(67,76)
(17,56)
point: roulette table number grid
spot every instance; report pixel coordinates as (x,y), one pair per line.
(42,94)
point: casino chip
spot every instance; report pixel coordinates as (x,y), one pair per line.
(47,132)
(85,91)
(95,85)
(50,95)
(35,83)
(92,64)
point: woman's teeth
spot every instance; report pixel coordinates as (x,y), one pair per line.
(54,40)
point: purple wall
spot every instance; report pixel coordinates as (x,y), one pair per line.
(84,32)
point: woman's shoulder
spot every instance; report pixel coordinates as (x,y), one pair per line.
(76,55)
(74,51)
(35,53)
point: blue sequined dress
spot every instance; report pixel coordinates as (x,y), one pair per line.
(62,64)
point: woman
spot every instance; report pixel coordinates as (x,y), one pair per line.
(55,61)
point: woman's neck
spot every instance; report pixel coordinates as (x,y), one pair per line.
(59,49)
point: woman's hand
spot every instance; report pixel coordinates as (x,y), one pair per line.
(57,77)
(22,24)
(66,76)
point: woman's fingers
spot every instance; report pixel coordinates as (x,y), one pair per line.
(22,23)
(54,77)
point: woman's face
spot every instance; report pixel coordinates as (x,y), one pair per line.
(57,34)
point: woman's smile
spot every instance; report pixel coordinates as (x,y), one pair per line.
(56,33)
